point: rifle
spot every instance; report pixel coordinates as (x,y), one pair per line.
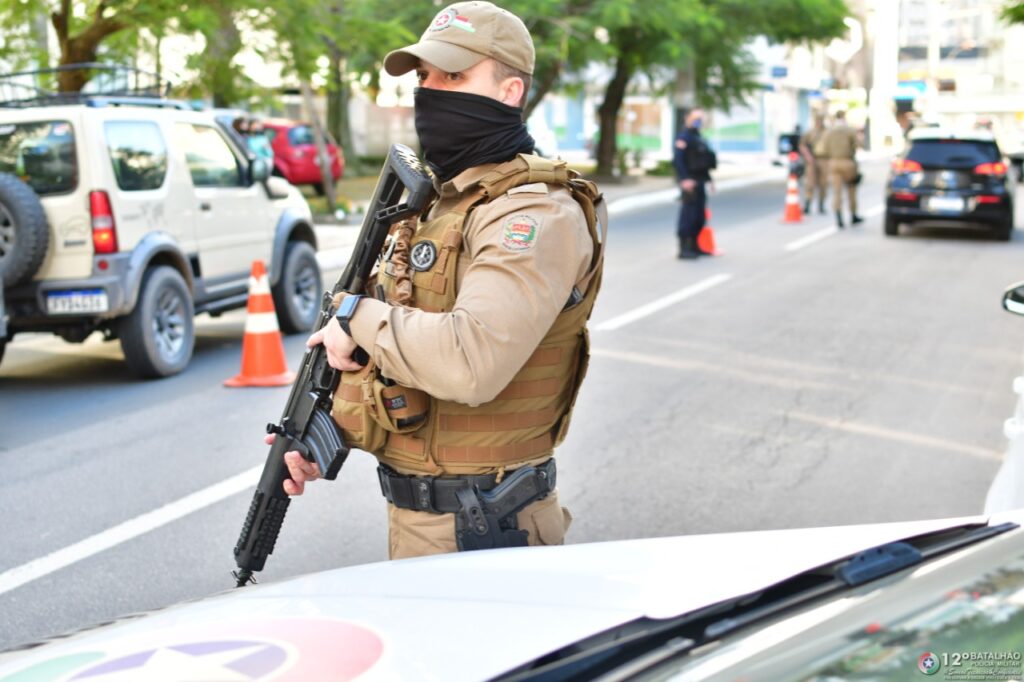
(306,424)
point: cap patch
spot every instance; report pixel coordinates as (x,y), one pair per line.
(449,17)
(520,232)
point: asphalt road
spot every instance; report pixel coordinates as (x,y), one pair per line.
(804,378)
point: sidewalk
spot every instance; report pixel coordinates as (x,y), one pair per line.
(335,241)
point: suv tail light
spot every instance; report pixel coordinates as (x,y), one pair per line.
(997,168)
(104,232)
(906,166)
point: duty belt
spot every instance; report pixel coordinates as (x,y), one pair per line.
(440,495)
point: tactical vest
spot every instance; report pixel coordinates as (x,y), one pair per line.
(419,434)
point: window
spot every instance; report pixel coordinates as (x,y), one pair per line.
(300,135)
(40,153)
(138,153)
(210,160)
(952,153)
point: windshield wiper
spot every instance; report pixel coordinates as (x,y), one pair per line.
(624,651)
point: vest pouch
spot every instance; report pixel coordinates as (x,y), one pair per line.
(398,409)
(352,408)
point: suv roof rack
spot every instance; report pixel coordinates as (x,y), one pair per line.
(107,85)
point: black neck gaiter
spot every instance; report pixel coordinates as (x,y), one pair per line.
(459,130)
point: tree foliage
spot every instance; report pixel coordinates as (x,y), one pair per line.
(340,42)
(1013,12)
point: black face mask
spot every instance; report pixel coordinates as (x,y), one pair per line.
(459,130)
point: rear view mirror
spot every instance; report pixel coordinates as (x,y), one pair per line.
(1013,298)
(259,170)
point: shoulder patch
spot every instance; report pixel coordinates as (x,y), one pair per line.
(532,188)
(519,232)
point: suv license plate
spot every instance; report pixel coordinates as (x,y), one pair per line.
(946,204)
(75,302)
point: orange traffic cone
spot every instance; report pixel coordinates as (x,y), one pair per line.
(706,237)
(793,213)
(263,362)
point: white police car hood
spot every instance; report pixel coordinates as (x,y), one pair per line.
(455,617)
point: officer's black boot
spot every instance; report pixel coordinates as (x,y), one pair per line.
(688,248)
(839,220)
(821,207)
(854,219)
(807,206)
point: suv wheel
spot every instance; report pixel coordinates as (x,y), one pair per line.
(24,232)
(157,337)
(892,226)
(298,292)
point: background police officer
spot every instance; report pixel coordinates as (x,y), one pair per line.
(479,347)
(693,161)
(841,144)
(812,148)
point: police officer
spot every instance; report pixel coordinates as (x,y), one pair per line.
(841,144)
(812,148)
(693,161)
(479,346)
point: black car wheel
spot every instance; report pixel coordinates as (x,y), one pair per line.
(158,336)
(892,226)
(24,231)
(1004,231)
(297,294)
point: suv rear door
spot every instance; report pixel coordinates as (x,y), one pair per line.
(233,226)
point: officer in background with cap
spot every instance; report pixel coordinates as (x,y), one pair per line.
(479,346)
(693,161)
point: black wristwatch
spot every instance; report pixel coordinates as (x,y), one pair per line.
(346,310)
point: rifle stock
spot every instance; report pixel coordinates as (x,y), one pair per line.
(306,424)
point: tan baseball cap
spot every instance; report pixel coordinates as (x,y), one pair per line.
(463,35)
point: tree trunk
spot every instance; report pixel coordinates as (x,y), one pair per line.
(541,87)
(608,114)
(338,121)
(222,44)
(321,146)
(81,48)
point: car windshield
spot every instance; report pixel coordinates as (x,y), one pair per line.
(40,153)
(953,153)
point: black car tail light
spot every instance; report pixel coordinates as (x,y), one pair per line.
(997,168)
(904,196)
(988,199)
(906,166)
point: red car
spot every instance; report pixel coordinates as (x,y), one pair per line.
(295,153)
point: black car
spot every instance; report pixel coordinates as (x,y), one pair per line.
(950,177)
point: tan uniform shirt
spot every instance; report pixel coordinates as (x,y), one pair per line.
(507,300)
(810,139)
(841,142)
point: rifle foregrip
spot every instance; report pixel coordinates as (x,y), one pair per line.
(260,530)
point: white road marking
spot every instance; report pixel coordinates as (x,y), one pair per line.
(798,244)
(900,436)
(807,240)
(661,303)
(37,568)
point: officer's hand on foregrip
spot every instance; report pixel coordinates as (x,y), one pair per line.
(299,469)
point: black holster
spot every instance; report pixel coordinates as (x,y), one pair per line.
(487,519)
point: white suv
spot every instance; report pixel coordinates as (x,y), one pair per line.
(129,215)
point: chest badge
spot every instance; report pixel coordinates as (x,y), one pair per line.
(423,255)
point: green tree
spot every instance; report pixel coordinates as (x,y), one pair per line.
(1014,12)
(648,36)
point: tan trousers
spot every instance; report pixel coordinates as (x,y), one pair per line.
(415,533)
(843,173)
(816,180)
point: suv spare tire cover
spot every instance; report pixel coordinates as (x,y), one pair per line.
(24,232)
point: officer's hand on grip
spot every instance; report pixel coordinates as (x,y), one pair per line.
(298,468)
(688,185)
(339,346)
